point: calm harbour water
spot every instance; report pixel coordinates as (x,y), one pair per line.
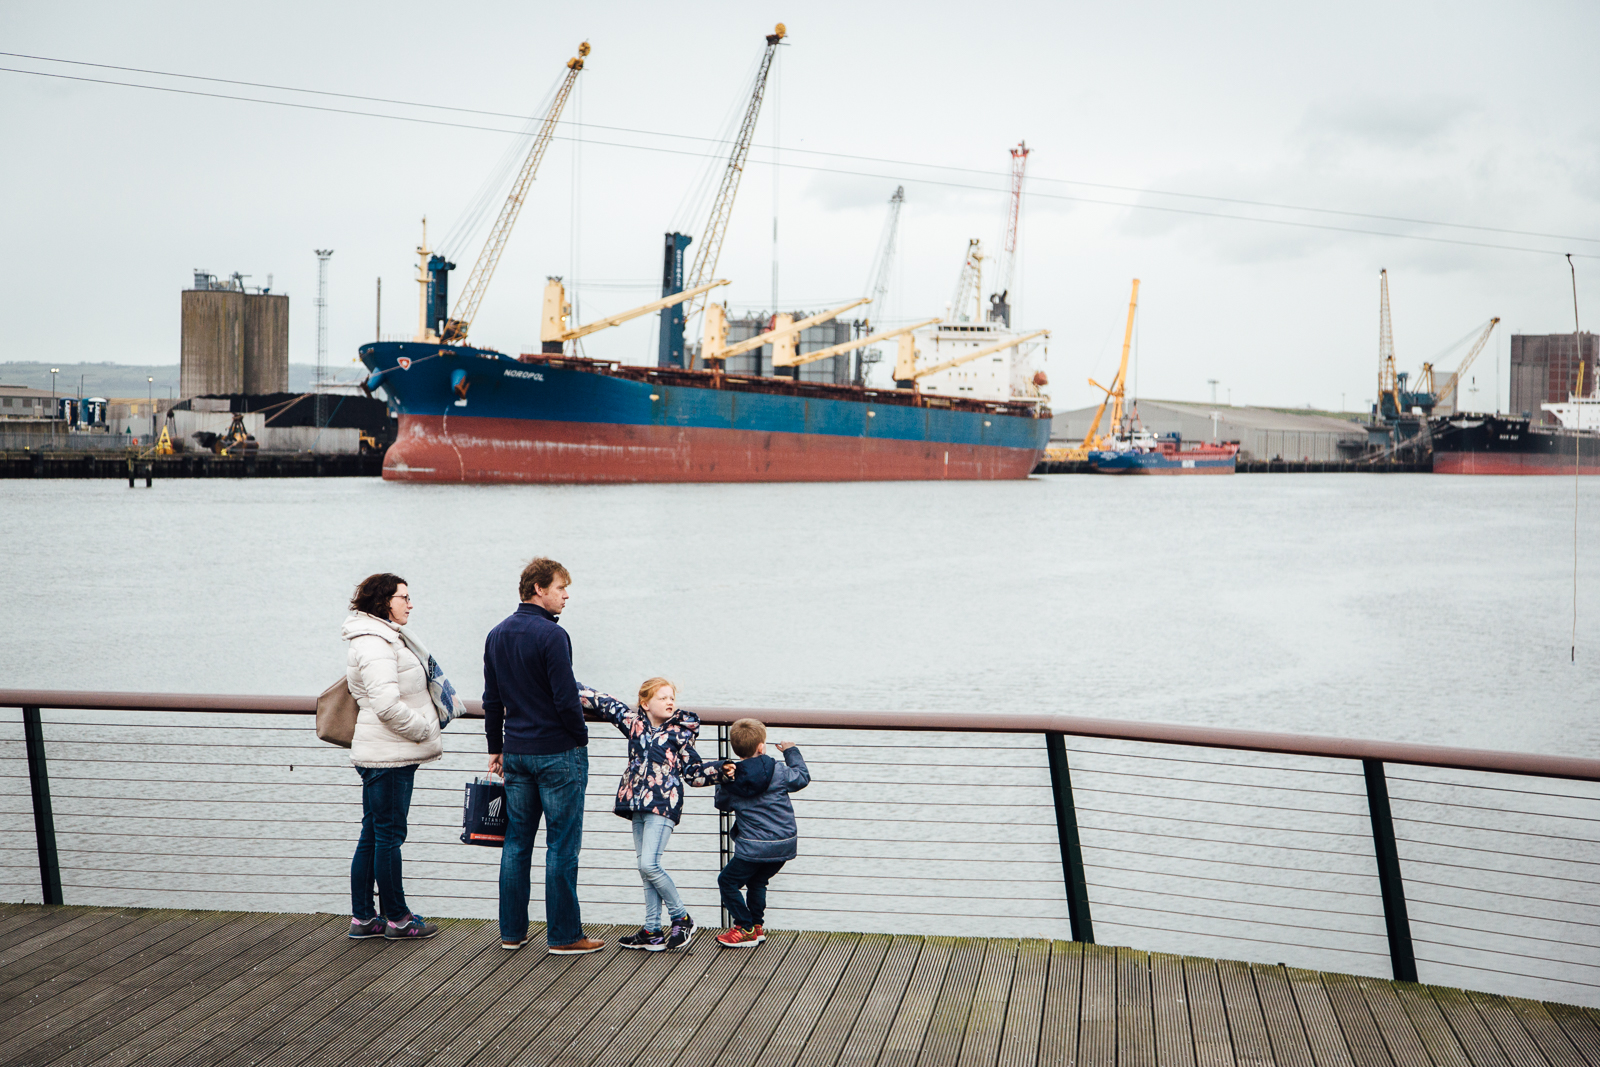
(1400,607)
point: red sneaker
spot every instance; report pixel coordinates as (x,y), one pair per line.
(741,937)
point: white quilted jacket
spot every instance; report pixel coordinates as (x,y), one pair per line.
(397,725)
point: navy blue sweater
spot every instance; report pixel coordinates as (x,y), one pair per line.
(529,691)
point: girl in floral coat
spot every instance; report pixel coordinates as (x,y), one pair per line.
(661,761)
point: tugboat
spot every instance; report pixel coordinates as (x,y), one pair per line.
(1142,452)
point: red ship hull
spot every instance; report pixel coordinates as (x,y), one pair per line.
(1511,463)
(442,448)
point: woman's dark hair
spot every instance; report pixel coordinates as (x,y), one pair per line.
(374,593)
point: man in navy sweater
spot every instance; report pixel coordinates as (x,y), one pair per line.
(538,741)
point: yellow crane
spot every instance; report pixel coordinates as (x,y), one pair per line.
(795,360)
(783,333)
(1447,395)
(1114,393)
(457,325)
(553,330)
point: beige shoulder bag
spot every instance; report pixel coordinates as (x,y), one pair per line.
(336,714)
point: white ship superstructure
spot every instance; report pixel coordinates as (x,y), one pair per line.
(1004,375)
(1578,413)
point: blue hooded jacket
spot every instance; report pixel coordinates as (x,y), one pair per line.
(764,831)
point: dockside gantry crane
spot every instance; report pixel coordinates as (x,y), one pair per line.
(455,327)
(964,303)
(1448,393)
(878,281)
(1000,299)
(710,246)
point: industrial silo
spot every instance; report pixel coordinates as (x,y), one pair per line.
(235,340)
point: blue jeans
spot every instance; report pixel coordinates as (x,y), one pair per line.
(551,786)
(385,803)
(650,836)
(738,874)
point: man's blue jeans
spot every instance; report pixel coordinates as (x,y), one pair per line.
(385,803)
(552,787)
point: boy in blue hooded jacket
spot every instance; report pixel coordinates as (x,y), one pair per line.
(764,834)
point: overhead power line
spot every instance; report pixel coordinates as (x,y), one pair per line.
(998,176)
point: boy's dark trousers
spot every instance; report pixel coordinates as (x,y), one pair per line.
(738,874)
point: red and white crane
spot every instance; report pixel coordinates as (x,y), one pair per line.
(999,300)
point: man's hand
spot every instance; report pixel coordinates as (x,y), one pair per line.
(784,746)
(495,764)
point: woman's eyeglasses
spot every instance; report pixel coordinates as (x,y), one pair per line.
(402,596)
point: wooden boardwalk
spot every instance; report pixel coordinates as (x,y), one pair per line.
(85,986)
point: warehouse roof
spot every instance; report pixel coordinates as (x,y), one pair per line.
(1073,424)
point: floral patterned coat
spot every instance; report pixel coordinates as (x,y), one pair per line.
(661,759)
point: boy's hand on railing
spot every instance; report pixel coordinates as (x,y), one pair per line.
(784,746)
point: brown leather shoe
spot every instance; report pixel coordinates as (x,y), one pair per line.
(577,948)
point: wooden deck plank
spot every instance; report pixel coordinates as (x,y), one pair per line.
(1468,1027)
(673,1014)
(986,1020)
(798,1022)
(1213,1045)
(1019,1042)
(1581,1029)
(36,955)
(750,1033)
(1507,1030)
(1328,1046)
(60,931)
(706,1042)
(1286,1031)
(1170,1006)
(1097,1014)
(375,1020)
(942,1044)
(170,1040)
(1136,1036)
(377,962)
(910,1029)
(1444,1048)
(662,981)
(866,1039)
(1063,999)
(1546,1033)
(79,994)
(1406,1046)
(514,1026)
(837,1020)
(1367,1047)
(73,975)
(1251,1046)
(41,917)
(131,1008)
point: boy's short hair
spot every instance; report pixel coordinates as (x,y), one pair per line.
(540,573)
(745,735)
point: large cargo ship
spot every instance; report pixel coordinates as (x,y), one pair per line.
(475,415)
(1496,444)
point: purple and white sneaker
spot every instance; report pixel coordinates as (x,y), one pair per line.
(373,927)
(412,929)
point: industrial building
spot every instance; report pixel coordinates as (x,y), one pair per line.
(235,338)
(1544,370)
(1262,433)
(835,370)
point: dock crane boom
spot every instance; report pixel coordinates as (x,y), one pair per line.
(1115,393)
(705,257)
(456,327)
(964,304)
(878,283)
(999,300)
(1388,380)
(1449,391)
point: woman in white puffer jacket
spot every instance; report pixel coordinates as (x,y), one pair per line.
(396,731)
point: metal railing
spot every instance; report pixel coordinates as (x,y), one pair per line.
(1455,866)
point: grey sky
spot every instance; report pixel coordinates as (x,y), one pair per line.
(1467,113)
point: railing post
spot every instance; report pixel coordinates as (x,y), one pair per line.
(724,823)
(1401,958)
(1067,831)
(44,823)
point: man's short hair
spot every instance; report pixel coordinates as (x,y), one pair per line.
(745,735)
(541,573)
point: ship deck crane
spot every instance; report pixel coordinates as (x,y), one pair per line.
(968,357)
(553,330)
(460,321)
(1117,390)
(999,300)
(848,346)
(716,346)
(705,257)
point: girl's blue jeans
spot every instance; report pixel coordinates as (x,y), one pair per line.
(650,836)
(385,803)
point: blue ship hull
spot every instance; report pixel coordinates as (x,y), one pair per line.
(475,415)
(1160,463)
